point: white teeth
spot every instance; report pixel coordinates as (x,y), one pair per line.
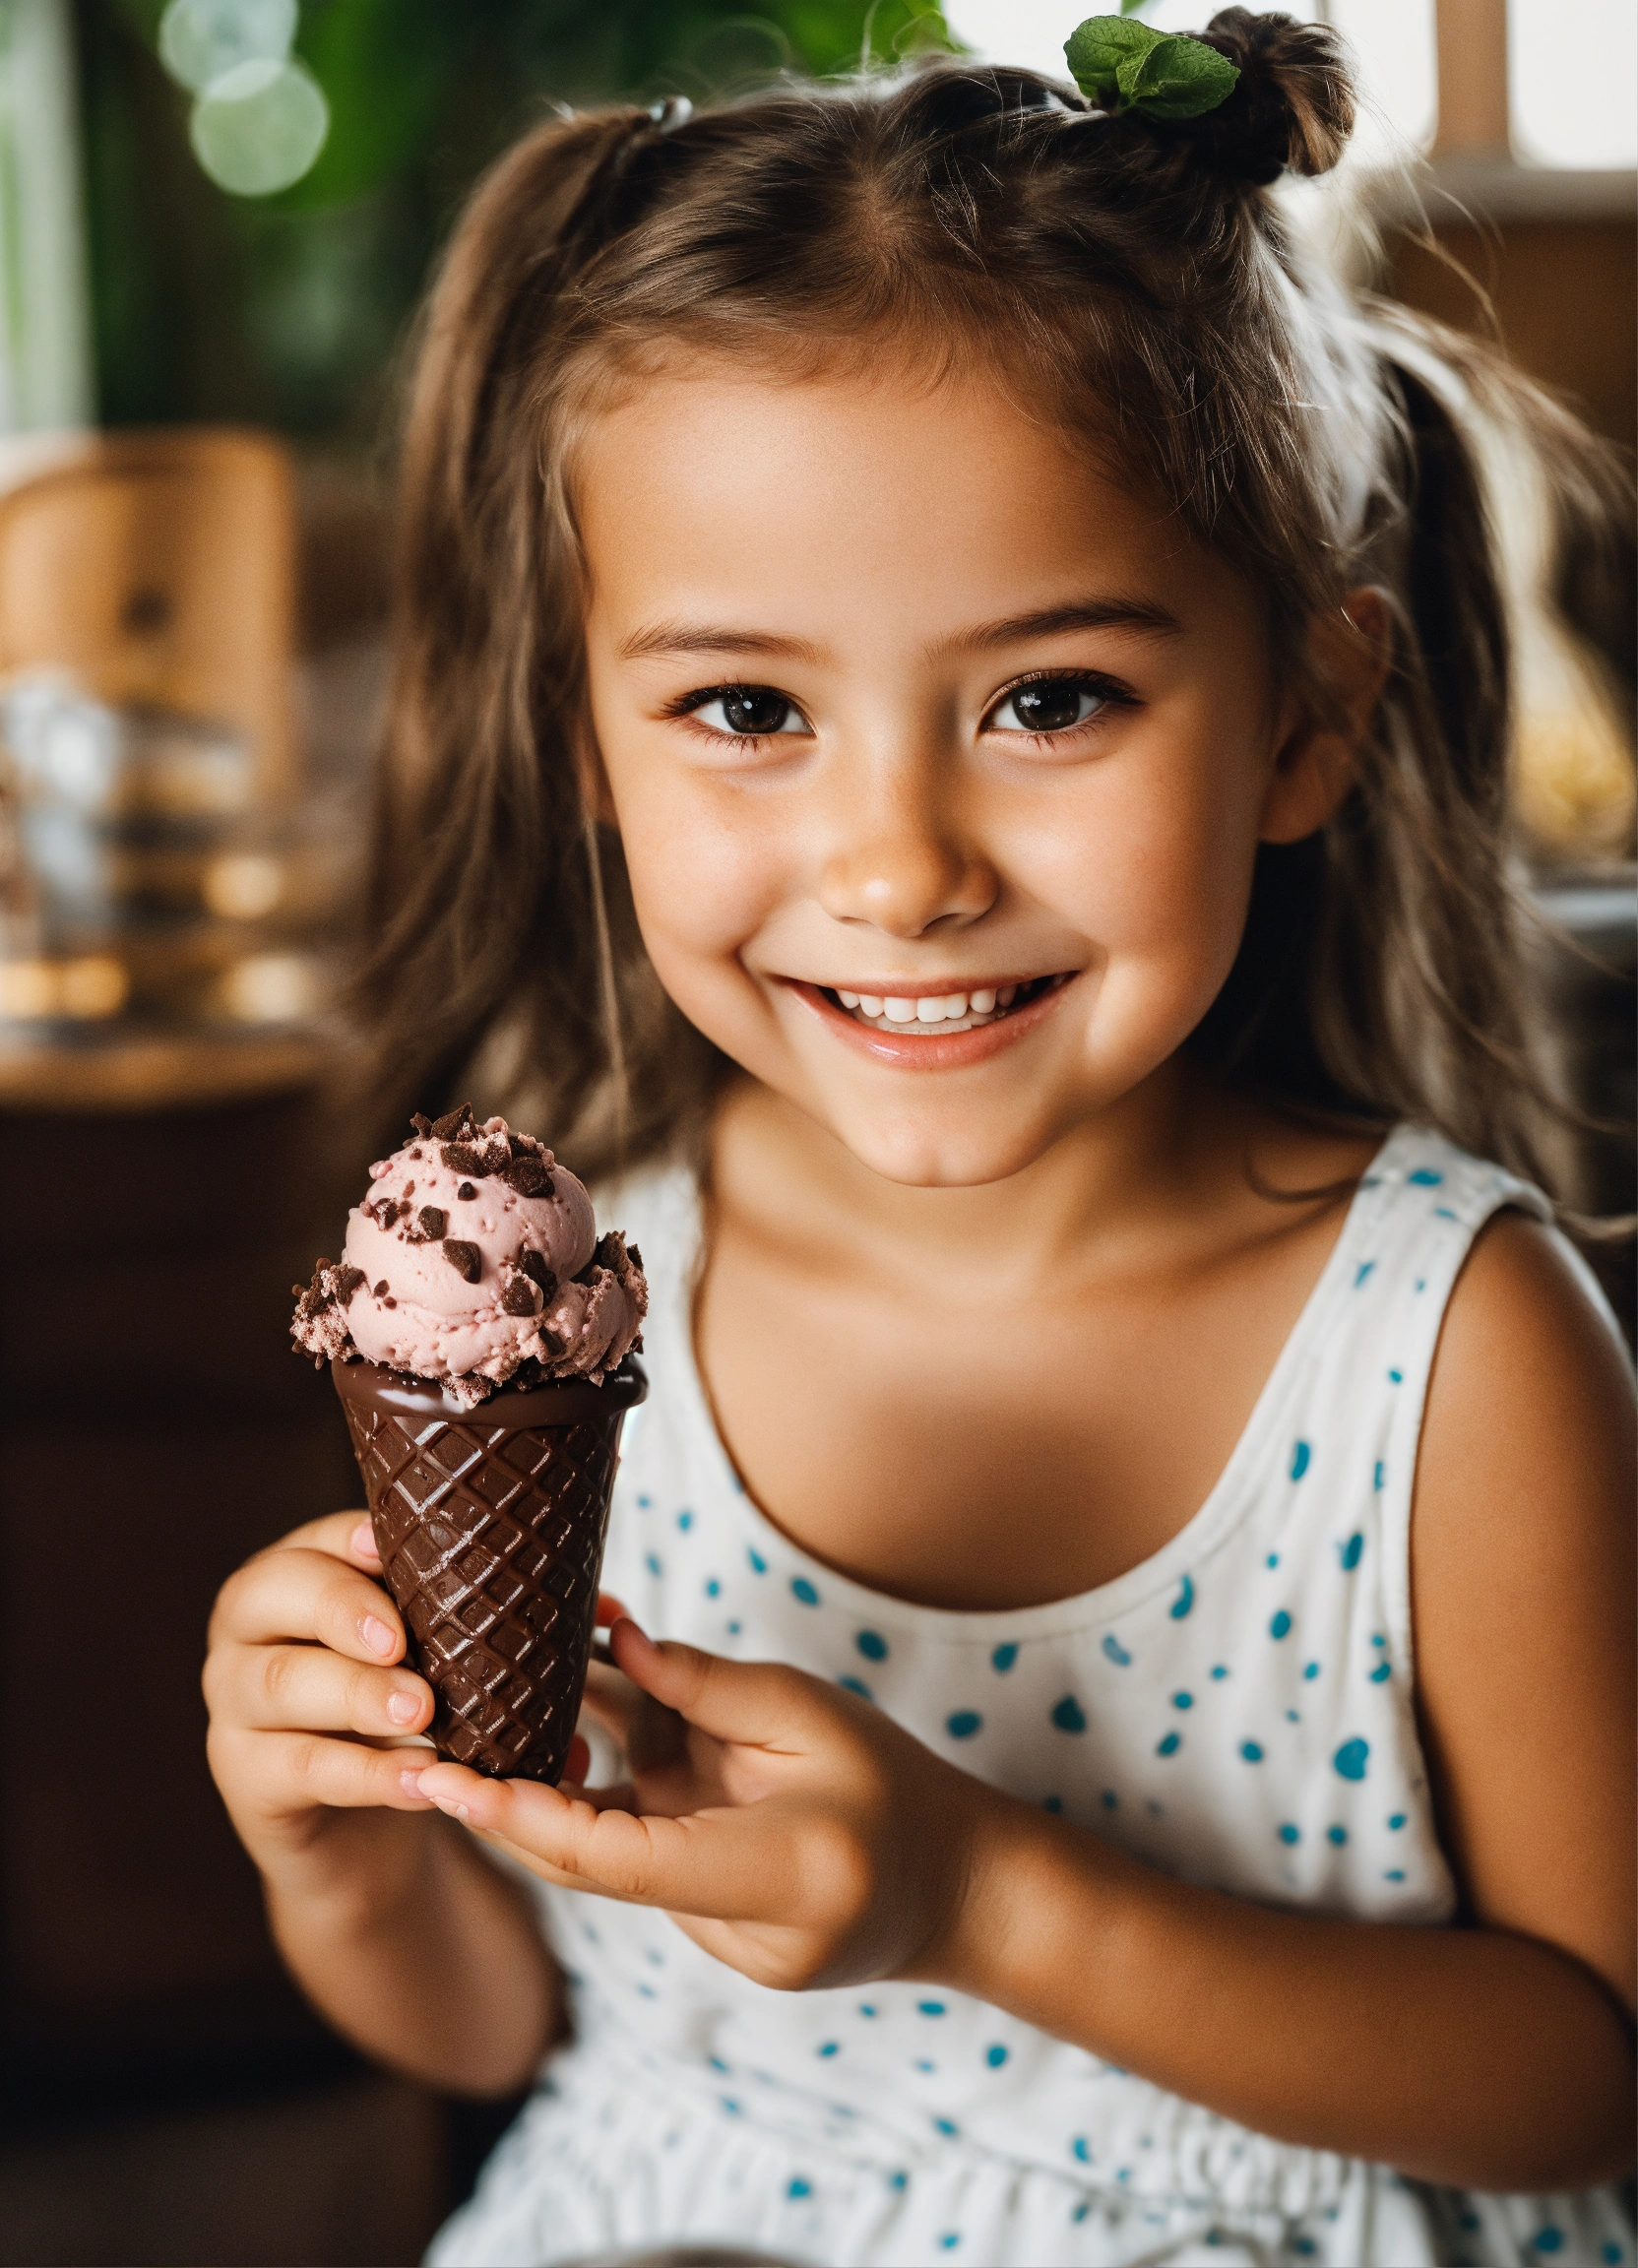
(930,1009)
(983,1003)
(848,999)
(900,1011)
(955,1005)
(1005,997)
(870,1003)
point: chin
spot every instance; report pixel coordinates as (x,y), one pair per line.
(918,1156)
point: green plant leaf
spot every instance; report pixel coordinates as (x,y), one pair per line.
(1176,77)
(1097,49)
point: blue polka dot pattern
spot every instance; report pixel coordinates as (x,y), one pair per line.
(1185,1660)
(797,2188)
(1425,1178)
(652,1563)
(931,2008)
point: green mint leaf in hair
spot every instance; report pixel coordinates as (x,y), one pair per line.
(1176,77)
(1095,50)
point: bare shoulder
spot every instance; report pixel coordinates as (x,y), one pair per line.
(1522,1577)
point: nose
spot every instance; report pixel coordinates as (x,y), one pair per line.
(901,860)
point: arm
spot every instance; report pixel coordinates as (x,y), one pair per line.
(808,1841)
(398,1930)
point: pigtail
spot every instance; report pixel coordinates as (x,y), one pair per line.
(499,915)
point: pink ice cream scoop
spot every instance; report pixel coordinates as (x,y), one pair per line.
(475,1255)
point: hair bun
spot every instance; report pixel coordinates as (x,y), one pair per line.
(1294,107)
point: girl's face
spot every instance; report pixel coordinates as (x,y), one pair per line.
(940,761)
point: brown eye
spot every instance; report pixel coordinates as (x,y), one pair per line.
(1049,704)
(750,711)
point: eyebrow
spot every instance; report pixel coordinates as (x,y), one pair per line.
(709,638)
(1142,615)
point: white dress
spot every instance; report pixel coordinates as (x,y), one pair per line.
(1236,1711)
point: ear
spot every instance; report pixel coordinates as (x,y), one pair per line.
(1351,649)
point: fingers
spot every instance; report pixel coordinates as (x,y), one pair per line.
(323,1691)
(283,1773)
(758,1703)
(304,1592)
(610,1608)
(728,1865)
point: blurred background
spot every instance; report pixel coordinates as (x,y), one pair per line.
(215,218)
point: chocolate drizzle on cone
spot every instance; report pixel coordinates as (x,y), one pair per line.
(491,1525)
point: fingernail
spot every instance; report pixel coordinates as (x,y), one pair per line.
(376,1635)
(402,1708)
(410,1782)
(449,1809)
(363,1540)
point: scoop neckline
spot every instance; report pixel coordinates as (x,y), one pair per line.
(1229,1500)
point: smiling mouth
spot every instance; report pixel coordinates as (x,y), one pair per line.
(941,1015)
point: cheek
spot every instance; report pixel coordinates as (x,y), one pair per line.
(704,878)
(1155,868)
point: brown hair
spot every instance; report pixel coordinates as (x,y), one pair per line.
(1137,279)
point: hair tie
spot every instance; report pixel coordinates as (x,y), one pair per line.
(1124,65)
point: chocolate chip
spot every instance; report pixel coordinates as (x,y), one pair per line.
(466,1192)
(528,1178)
(523,1145)
(634,1256)
(408,1189)
(345,1283)
(553,1345)
(533,1265)
(465,1259)
(379,1292)
(389,1302)
(519,1297)
(462,1158)
(452,1127)
(421,1122)
(433,1219)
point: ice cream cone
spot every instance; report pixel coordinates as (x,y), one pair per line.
(490,1525)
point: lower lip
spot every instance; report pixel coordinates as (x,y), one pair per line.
(955,1053)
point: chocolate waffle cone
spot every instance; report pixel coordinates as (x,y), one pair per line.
(491,1525)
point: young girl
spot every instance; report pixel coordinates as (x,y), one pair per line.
(951,730)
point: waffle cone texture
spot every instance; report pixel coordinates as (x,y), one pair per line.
(490,1525)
